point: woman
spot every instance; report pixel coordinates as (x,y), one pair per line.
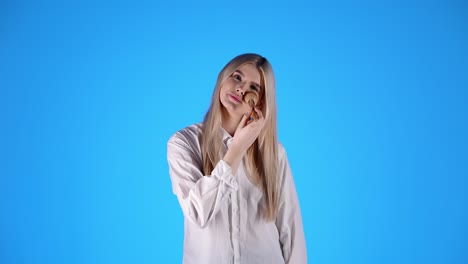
(232,177)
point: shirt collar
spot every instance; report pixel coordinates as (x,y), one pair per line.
(227,139)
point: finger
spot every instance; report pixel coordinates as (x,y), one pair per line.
(242,123)
(259,112)
(250,119)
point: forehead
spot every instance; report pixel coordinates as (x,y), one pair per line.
(250,72)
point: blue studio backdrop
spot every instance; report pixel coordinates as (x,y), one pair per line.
(372,102)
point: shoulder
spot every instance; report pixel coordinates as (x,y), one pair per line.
(188,137)
(281,151)
(189,132)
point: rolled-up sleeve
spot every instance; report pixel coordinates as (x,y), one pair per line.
(289,219)
(200,196)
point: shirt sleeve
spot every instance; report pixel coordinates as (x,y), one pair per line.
(200,196)
(289,219)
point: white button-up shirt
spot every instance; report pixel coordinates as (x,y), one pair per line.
(222,220)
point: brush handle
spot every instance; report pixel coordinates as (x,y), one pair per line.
(254,114)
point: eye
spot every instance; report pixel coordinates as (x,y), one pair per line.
(253,87)
(237,77)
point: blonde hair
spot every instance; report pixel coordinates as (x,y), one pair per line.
(262,156)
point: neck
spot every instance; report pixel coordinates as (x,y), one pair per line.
(230,124)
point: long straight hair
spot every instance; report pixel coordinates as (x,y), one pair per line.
(262,156)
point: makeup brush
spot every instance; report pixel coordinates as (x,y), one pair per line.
(252,99)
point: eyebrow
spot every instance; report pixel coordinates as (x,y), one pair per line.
(254,83)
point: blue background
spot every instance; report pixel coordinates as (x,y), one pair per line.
(372,101)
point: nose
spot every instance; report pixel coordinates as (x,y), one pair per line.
(240,90)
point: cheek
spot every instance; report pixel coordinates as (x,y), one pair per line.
(222,94)
(224,88)
(228,84)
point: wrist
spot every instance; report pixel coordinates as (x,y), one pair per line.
(233,157)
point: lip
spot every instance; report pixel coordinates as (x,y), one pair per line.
(235,98)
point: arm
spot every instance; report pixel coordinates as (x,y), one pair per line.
(200,197)
(289,219)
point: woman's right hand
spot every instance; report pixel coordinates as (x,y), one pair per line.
(246,133)
(248,130)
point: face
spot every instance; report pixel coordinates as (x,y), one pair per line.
(244,79)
